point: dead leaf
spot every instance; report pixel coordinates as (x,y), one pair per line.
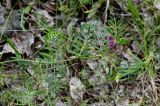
(157,4)
(8,4)
(123,102)
(128,55)
(102,90)
(50,6)
(60,103)
(97,79)
(30,71)
(92,64)
(46,15)
(15,19)
(22,42)
(158,42)
(98,104)
(135,47)
(77,89)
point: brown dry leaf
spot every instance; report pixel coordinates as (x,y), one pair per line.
(158,42)
(2,9)
(157,4)
(9,76)
(15,19)
(97,79)
(135,47)
(31,71)
(128,55)
(122,5)
(60,103)
(101,91)
(92,64)
(123,102)
(50,6)
(46,15)
(22,42)
(148,16)
(8,4)
(98,104)
(29,1)
(3,27)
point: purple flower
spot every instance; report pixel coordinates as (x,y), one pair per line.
(111,45)
(111,41)
(111,38)
(138,1)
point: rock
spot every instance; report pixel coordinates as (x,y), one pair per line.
(77,89)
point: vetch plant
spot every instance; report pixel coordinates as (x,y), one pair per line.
(111,41)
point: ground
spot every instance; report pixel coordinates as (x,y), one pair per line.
(79,53)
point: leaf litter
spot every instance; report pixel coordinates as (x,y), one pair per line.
(108,80)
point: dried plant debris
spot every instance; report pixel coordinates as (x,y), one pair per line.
(8,77)
(15,19)
(60,103)
(98,104)
(62,53)
(23,43)
(122,102)
(77,89)
(9,21)
(157,4)
(47,16)
(23,95)
(97,79)
(92,64)
(101,91)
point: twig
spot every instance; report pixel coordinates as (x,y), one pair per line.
(105,13)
